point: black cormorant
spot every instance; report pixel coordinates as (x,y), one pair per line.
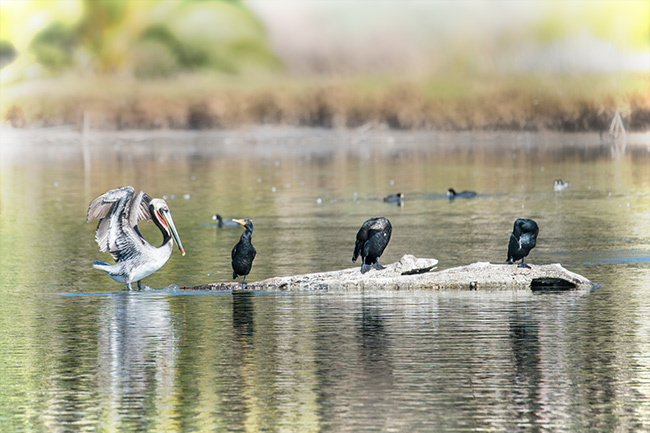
(397,199)
(522,240)
(451,193)
(221,223)
(244,252)
(372,238)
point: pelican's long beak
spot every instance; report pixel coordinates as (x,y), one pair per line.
(172,227)
(241,222)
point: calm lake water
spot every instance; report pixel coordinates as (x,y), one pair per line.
(79,353)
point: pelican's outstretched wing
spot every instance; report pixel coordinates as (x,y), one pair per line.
(119,211)
(108,208)
(103,205)
(139,209)
(130,239)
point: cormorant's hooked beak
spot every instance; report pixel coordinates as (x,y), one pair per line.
(172,228)
(241,222)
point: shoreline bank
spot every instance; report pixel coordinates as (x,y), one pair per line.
(563,104)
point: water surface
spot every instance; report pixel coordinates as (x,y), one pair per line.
(79,353)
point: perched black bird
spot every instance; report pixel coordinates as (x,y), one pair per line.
(397,199)
(522,240)
(221,223)
(372,238)
(244,252)
(451,193)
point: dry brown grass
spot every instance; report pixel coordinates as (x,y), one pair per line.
(566,103)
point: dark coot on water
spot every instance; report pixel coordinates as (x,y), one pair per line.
(397,199)
(244,252)
(451,193)
(522,240)
(372,238)
(227,223)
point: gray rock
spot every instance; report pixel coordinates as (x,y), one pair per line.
(411,273)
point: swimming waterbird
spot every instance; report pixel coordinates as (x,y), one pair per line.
(224,223)
(451,193)
(560,185)
(397,199)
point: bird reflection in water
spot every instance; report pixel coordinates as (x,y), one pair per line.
(526,354)
(136,350)
(243,312)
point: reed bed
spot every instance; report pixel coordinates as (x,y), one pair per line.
(532,103)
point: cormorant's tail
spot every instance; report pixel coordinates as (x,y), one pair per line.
(234,275)
(100,265)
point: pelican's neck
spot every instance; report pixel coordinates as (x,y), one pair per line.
(167,237)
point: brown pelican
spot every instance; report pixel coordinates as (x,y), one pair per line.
(522,239)
(244,252)
(372,238)
(119,213)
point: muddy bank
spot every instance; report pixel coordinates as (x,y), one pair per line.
(568,104)
(417,273)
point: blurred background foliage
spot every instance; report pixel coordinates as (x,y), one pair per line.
(527,64)
(144,38)
(162,38)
